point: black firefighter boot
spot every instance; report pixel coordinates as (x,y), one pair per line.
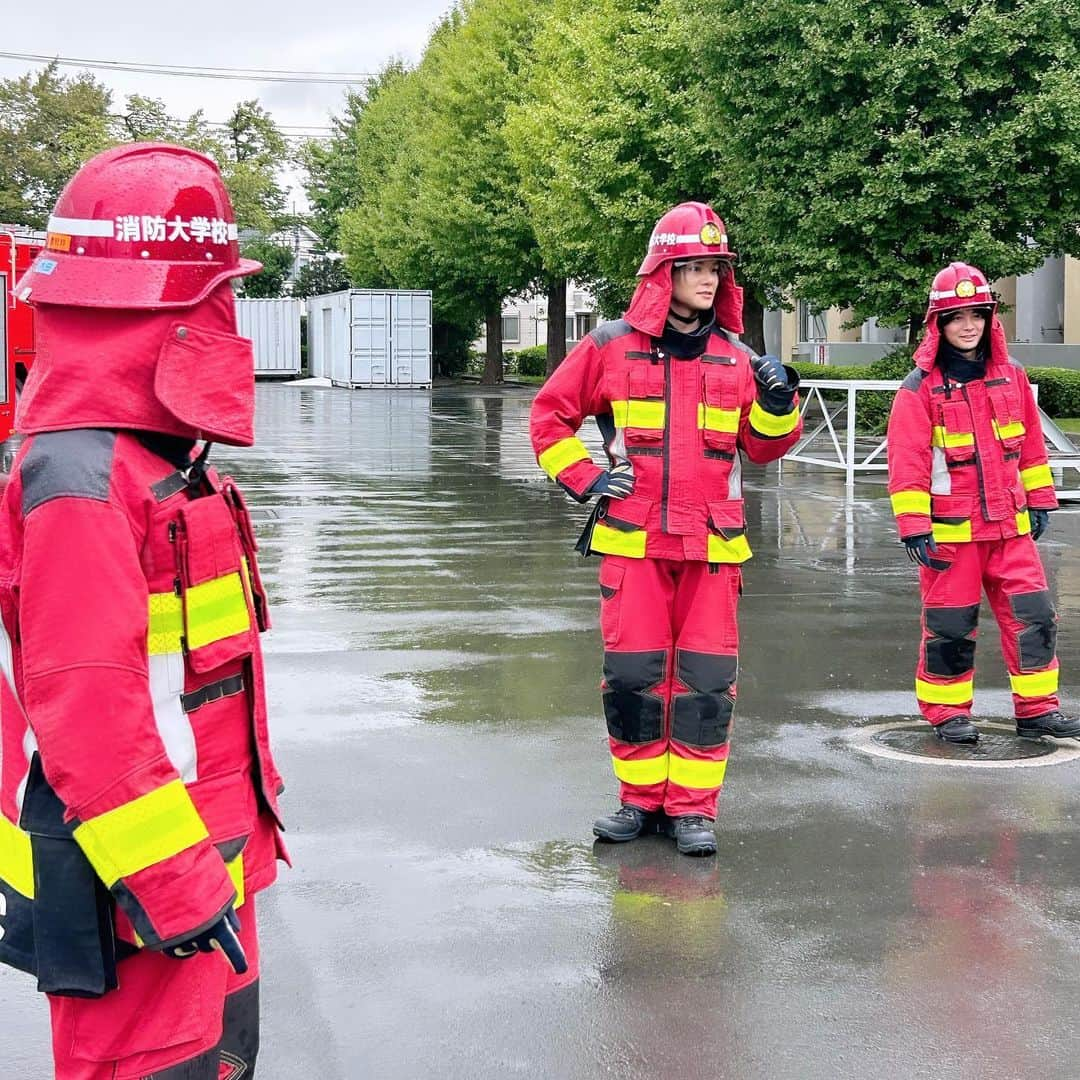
(693,834)
(957,729)
(627,823)
(1053,724)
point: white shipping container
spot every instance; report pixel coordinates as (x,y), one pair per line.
(274,328)
(371,338)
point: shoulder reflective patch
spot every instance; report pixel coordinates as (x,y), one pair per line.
(914,380)
(609,331)
(67,463)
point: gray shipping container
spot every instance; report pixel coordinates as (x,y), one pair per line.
(371,338)
(274,328)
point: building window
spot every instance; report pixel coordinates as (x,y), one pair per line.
(570,328)
(511,327)
(584,321)
(811,323)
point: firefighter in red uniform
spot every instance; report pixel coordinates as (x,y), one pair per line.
(678,399)
(972,491)
(138,795)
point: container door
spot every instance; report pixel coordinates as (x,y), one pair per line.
(340,356)
(411,339)
(370,339)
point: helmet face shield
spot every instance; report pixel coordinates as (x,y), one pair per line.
(144,226)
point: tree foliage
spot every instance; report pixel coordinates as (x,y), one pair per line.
(874,141)
(49,125)
(277,263)
(318,277)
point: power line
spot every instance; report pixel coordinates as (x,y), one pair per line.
(189,72)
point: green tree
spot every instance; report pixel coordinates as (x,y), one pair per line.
(876,140)
(277,263)
(320,276)
(49,125)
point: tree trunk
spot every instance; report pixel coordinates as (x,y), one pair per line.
(753,322)
(556,323)
(915,325)
(493,358)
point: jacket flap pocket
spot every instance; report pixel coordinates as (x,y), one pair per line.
(627,515)
(950,509)
(611,576)
(646,381)
(726,517)
(211,546)
(721,389)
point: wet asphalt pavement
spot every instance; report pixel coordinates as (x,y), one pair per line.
(433,680)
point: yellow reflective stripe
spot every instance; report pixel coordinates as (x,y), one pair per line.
(943,438)
(911,502)
(1036,477)
(611,541)
(652,770)
(140,833)
(692,773)
(735,550)
(236,876)
(712,418)
(565,452)
(959,693)
(1008,431)
(770,424)
(1023,523)
(16,860)
(1040,684)
(951,534)
(166,624)
(216,609)
(637,413)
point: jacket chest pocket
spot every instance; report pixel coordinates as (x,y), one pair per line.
(215,589)
(954,432)
(642,414)
(1007,415)
(718,410)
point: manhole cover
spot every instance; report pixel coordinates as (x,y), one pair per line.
(997,748)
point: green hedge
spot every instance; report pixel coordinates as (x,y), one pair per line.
(532,361)
(1059,390)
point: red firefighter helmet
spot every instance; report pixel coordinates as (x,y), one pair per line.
(959,286)
(142,226)
(691,230)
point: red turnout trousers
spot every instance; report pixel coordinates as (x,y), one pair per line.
(1012,574)
(169,1019)
(671,653)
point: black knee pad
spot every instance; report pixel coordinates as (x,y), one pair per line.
(950,652)
(633,714)
(1038,639)
(702,717)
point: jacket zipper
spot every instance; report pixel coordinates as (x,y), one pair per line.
(666,479)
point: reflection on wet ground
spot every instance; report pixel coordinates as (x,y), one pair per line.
(433,679)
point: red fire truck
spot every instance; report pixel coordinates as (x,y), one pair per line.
(17,250)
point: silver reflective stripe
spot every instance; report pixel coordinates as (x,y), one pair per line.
(734,484)
(174,727)
(82,226)
(940,480)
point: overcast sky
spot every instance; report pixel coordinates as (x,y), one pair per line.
(331,36)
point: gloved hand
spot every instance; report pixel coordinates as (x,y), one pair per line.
(769,372)
(617,482)
(919,548)
(220,937)
(1040,519)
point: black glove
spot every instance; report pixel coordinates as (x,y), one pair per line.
(617,482)
(1040,520)
(919,548)
(769,372)
(220,937)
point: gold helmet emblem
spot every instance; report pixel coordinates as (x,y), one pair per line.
(711,235)
(965,289)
